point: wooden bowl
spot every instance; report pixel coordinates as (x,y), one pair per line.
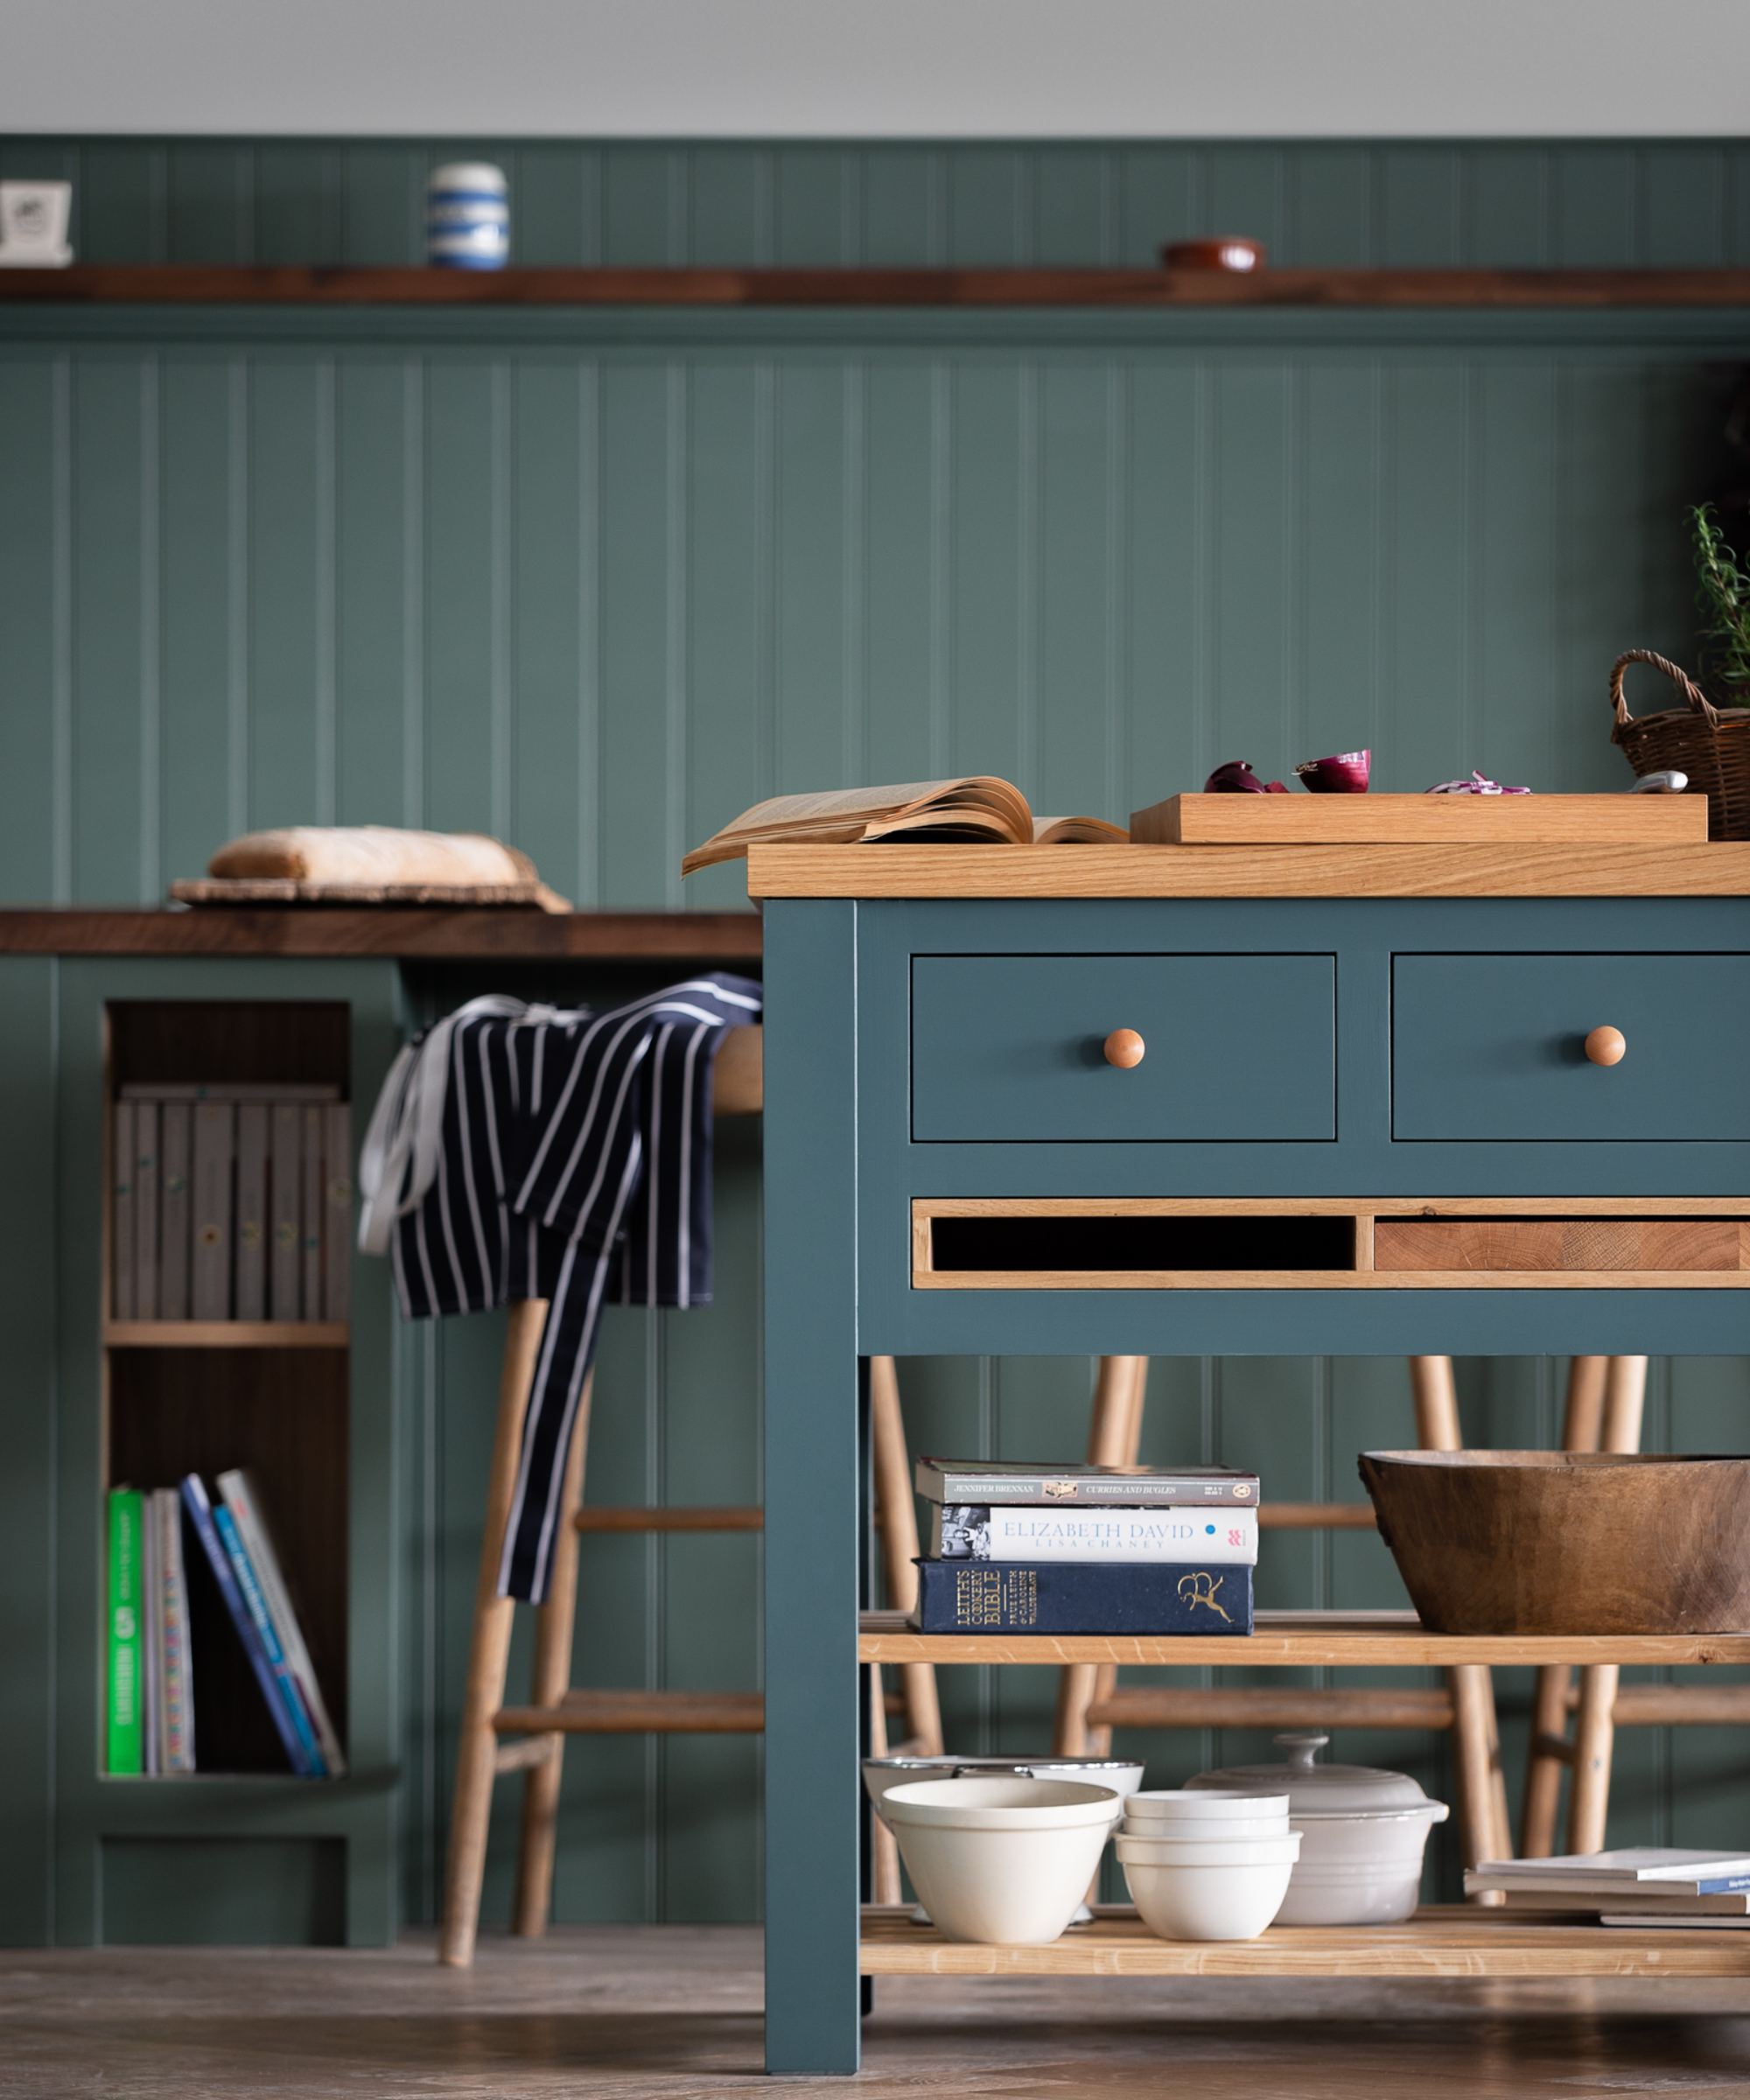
(1551,1542)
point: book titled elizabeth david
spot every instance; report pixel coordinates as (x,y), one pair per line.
(1002,1481)
(1118,1536)
(1069,1597)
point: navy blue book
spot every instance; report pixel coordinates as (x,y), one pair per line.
(1069,1597)
(200,1515)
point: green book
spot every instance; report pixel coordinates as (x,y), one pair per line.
(127,1562)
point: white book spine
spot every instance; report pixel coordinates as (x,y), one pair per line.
(177,1674)
(258,1543)
(313,1206)
(151,1702)
(121,1213)
(252,1211)
(214,1146)
(982,1531)
(175,1164)
(145,1210)
(337,1251)
(283,1194)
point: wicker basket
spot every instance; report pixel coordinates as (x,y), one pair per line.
(1710,744)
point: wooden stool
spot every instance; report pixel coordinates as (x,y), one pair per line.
(1605,1395)
(1090,1702)
(555,1710)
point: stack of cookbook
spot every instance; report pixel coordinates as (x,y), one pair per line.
(1643,1885)
(1086,1549)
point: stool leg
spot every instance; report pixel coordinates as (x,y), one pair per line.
(1589,1802)
(477,1745)
(1482,1785)
(898,1516)
(1582,1424)
(555,1621)
(1114,1433)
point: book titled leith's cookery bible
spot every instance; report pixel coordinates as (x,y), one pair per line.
(1008,1482)
(1054,1597)
(976,809)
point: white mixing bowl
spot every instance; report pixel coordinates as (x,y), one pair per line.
(1005,1862)
(1226,1892)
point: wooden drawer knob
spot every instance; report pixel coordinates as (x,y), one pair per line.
(1124,1049)
(1606,1046)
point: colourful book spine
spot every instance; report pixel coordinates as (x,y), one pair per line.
(176,1680)
(1155,1597)
(258,1543)
(200,1515)
(151,1710)
(250,1590)
(125,1746)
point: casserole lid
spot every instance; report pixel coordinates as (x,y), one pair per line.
(1315,1789)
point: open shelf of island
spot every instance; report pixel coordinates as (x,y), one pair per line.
(196,283)
(1295,1640)
(1440,1939)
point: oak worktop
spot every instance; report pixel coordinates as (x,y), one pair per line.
(1335,870)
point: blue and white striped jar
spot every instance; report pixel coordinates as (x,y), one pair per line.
(467,217)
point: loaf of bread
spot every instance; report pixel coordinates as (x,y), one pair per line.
(374,856)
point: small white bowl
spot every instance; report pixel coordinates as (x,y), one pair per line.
(1232,1898)
(1229,1829)
(1210,1851)
(1002,1862)
(1201,1805)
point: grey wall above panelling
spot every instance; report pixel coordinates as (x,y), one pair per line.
(1507,204)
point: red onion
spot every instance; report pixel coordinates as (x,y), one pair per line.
(1345,775)
(1237,777)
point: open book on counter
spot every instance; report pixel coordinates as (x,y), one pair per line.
(977,809)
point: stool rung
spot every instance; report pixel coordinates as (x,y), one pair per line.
(639,1713)
(523,1756)
(599,1519)
(1317,1516)
(1164,1708)
(1658,1706)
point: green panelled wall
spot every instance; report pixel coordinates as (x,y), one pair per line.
(594,581)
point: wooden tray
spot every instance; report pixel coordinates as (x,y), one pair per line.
(1297,819)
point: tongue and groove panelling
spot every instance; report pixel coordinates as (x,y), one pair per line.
(596,582)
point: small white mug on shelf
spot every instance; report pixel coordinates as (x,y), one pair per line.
(467,217)
(33,220)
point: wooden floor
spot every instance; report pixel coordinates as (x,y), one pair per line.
(673,2012)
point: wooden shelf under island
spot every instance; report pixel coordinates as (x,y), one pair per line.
(1385,1639)
(225,1333)
(1440,1939)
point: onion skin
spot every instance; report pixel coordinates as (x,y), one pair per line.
(1346,773)
(1237,777)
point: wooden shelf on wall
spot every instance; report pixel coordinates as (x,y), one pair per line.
(410,933)
(226,1333)
(187,283)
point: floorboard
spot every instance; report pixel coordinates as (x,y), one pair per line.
(673,2012)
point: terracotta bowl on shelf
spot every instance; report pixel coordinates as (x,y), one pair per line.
(1552,1541)
(1229,252)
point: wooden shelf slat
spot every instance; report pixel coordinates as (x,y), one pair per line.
(598,1517)
(186,283)
(638,1713)
(1444,1940)
(226,1333)
(1293,1640)
(448,934)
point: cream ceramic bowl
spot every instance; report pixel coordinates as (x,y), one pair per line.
(1004,1862)
(1227,1892)
(881,1773)
(1185,1805)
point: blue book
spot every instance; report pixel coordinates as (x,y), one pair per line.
(251,1588)
(1069,1597)
(200,1515)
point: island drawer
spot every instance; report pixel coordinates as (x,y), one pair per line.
(1491,1047)
(1235,1048)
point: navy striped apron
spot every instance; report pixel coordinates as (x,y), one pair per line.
(521,1152)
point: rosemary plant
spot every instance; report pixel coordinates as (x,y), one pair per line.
(1723,598)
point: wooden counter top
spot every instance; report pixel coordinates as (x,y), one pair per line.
(1383,870)
(389,931)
